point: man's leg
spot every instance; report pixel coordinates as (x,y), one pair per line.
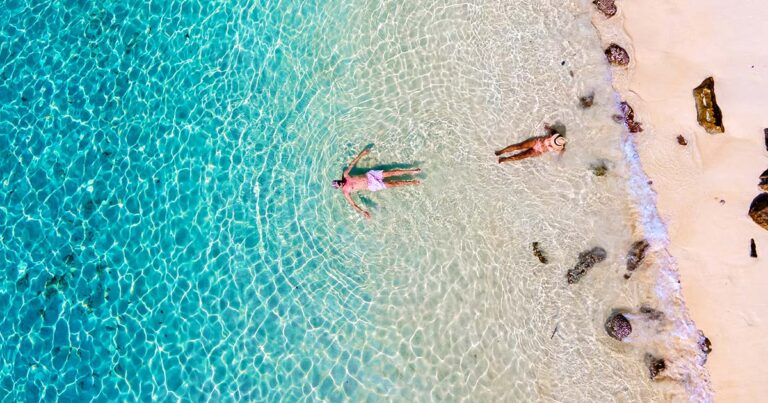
(401,172)
(523,155)
(519,146)
(393,184)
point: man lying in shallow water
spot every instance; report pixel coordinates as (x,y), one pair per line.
(533,147)
(373,180)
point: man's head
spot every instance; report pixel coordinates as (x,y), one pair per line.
(337,184)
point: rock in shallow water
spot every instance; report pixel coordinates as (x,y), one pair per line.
(636,254)
(587,101)
(586,261)
(758,210)
(708,112)
(655,365)
(607,7)
(616,55)
(539,253)
(628,117)
(618,326)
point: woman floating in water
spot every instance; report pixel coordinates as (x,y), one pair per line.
(536,146)
(373,180)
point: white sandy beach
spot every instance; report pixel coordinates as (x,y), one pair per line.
(705,188)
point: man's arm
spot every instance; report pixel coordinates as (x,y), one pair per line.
(354,161)
(356,207)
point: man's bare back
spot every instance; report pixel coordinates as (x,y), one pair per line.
(373,180)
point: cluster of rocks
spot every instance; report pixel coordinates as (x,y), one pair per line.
(627,117)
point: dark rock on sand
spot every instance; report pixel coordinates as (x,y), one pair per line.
(655,365)
(681,140)
(616,55)
(708,112)
(607,7)
(539,253)
(599,168)
(628,117)
(764,180)
(586,261)
(636,254)
(752,248)
(587,101)
(651,313)
(765,132)
(618,326)
(704,344)
(758,210)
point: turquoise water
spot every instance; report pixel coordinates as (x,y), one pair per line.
(168,230)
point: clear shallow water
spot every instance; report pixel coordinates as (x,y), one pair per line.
(168,228)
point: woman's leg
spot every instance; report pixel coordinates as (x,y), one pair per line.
(393,184)
(519,146)
(523,155)
(401,172)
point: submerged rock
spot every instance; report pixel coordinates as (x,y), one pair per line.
(599,168)
(681,140)
(636,254)
(651,313)
(607,7)
(618,326)
(704,344)
(708,112)
(617,55)
(655,365)
(758,210)
(586,261)
(539,253)
(628,117)
(587,101)
(764,180)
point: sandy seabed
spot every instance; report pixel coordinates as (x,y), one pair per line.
(704,189)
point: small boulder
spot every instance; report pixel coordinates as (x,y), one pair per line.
(765,132)
(607,7)
(655,365)
(636,254)
(599,168)
(752,248)
(764,180)
(708,112)
(618,326)
(628,117)
(587,101)
(539,253)
(586,261)
(681,140)
(704,344)
(758,210)
(617,55)
(651,313)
